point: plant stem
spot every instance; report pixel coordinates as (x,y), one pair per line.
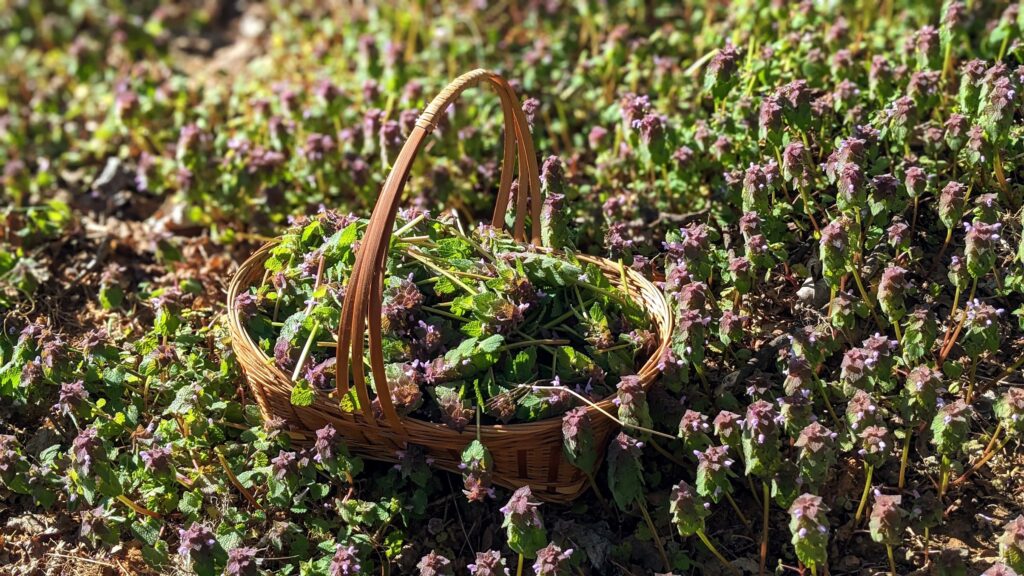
(528,343)
(899,335)
(137,508)
(519,567)
(767,497)
(714,551)
(603,411)
(944,476)
(654,533)
(988,455)
(970,380)
(948,346)
(736,509)
(864,495)
(305,350)
(867,297)
(429,264)
(908,432)
(892,561)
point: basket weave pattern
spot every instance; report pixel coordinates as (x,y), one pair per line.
(523,453)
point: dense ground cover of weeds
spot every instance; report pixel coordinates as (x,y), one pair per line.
(832,194)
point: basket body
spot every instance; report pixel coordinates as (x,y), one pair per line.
(524,454)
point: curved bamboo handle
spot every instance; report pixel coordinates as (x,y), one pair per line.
(361,310)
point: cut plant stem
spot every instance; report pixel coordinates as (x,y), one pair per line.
(892,561)
(654,534)
(714,551)
(603,411)
(528,343)
(767,498)
(430,264)
(519,566)
(864,495)
(305,350)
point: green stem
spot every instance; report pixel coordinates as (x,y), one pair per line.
(908,433)
(603,411)
(867,297)
(455,280)
(736,509)
(519,566)
(892,561)
(864,495)
(654,533)
(714,551)
(443,313)
(528,343)
(305,350)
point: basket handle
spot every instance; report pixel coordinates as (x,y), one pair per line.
(361,309)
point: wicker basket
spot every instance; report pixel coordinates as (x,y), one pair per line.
(526,453)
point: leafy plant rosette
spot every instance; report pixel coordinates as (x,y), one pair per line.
(477,327)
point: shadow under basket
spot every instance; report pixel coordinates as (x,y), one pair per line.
(528,453)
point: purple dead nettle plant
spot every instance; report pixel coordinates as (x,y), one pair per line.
(552,560)
(489,563)
(434,564)
(876,443)
(919,401)
(808,522)
(887,524)
(949,429)
(241,562)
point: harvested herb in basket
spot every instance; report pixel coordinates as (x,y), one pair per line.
(469,320)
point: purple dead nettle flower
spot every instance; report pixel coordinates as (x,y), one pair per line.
(651,127)
(922,386)
(762,421)
(756,193)
(320,375)
(521,511)
(693,296)
(979,246)
(951,203)
(617,238)
(317,147)
(372,121)
(345,562)
(956,127)
(72,394)
(241,562)
(631,400)
(86,446)
(857,368)
(283,464)
(999,100)
(683,156)
(197,540)
(391,137)
(899,234)
(849,151)
(693,429)
(891,292)
(433,564)
(770,118)
(9,456)
(488,563)
(876,443)
(407,120)
(552,561)
(728,426)
(326,440)
(981,315)
(454,412)
(731,325)
(862,411)
(530,108)
(799,375)
(851,187)
(1010,410)
(794,95)
(923,86)
(246,304)
(795,167)
(283,353)
(157,459)
(634,108)
(596,137)
(815,438)
(1011,542)
(986,208)
(916,181)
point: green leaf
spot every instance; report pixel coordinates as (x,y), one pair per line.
(302,393)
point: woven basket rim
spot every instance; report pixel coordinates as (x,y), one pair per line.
(647,372)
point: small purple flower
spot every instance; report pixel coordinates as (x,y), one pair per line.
(72,394)
(241,562)
(197,540)
(488,563)
(345,562)
(552,561)
(324,447)
(157,459)
(85,447)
